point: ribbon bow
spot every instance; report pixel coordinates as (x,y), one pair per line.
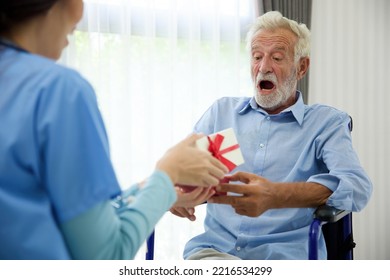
(214,149)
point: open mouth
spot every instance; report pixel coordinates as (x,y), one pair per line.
(266,85)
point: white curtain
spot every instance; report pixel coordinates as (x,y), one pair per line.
(156,67)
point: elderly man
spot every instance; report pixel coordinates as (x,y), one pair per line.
(297,157)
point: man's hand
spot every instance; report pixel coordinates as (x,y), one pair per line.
(257,194)
(184,212)
(254,196)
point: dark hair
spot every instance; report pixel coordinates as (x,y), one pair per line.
(17,11)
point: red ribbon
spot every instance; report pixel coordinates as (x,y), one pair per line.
(214,148)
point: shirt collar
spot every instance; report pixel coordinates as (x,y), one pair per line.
(9,44)
(297,109)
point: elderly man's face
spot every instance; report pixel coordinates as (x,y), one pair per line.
(274,72)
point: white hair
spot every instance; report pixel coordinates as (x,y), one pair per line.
(274,20)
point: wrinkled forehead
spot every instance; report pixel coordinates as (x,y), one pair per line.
(281,39)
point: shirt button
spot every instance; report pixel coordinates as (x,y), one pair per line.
(262,146)
(238,248)
(268,118)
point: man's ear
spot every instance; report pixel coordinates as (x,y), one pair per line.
(303,66)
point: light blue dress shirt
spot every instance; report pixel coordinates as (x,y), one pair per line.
(302,143)
(55,169)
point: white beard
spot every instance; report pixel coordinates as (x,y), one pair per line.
(280,96)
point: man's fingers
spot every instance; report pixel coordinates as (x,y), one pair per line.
(224,199)
(234,188)
(241,176)
(184,212)
(174,211)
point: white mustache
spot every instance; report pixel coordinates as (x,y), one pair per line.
(269,77)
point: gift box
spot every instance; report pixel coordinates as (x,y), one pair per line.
(224,146)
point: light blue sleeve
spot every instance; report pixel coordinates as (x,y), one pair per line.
(117,229)
(347,179)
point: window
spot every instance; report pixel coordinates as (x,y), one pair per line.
(156,67)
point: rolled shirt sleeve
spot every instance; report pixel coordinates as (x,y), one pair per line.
(346,178)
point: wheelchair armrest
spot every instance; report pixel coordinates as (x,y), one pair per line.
(326,213)
(322,215)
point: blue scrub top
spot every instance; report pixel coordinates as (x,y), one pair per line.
(55,162)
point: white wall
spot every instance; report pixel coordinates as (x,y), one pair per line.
(350,69)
